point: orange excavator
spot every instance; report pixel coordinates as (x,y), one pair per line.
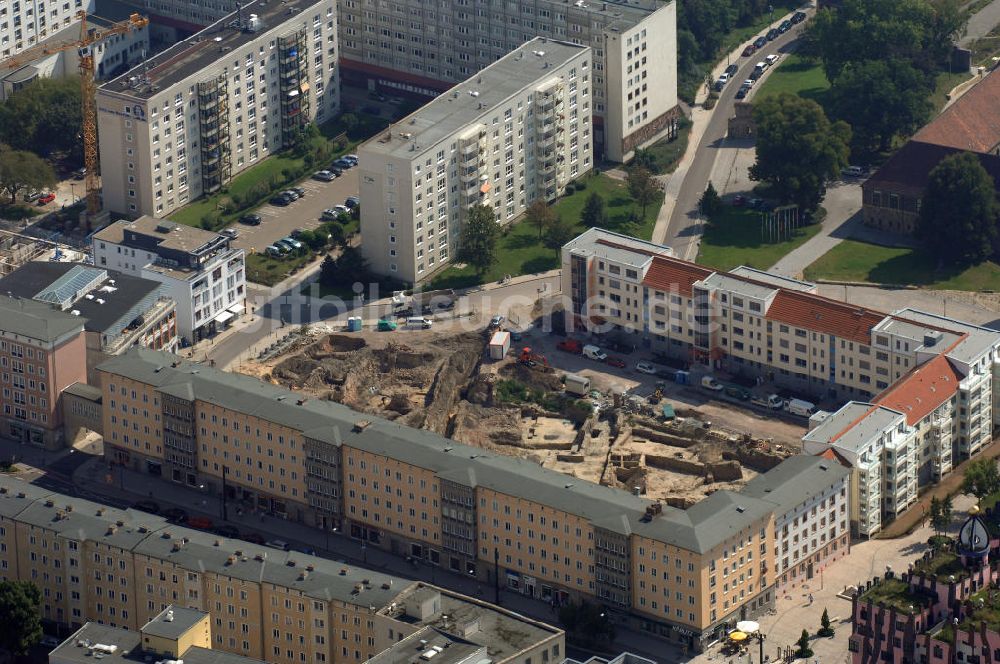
(529,358)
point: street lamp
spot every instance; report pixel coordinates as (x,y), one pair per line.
(760,640)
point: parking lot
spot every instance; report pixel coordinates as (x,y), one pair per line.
(278,222)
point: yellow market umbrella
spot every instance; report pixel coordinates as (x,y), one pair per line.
(738,636)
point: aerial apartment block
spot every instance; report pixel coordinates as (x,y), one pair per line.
(681,574)
(517,131)
(190,118)
(24,24)
(415,48)
(128,569)
(42,352)
(200,270)
(918,387)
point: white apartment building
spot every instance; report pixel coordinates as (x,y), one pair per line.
(112,55)
(215,104)
(811,519)
(517,131)
(418,48)
(24,23)
(203,273)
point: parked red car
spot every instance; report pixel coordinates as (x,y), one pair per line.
(615,362)
(46,198)
(570,346)
(749,50)
(200,522)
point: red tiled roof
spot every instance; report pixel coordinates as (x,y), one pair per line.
(820,314)
(922,390)
(972,122)
(833,455)
(674,275)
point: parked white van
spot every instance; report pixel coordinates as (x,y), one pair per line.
(419,323)
(592,352)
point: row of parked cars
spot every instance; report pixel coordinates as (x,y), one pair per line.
(337,211)
(773,33)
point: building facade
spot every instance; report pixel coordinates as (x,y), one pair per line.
(634,49)
(42,352)
(200,271)
(215,104)
(498,519)
(516,132)
(124,568)
(24,24)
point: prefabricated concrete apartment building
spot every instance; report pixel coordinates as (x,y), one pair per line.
(517,131)
(184,123)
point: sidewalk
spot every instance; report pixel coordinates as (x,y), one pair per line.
(127,485)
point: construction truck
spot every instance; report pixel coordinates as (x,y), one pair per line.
(530,358)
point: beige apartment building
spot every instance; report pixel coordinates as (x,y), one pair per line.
(517,131)
(414,493)
(127,569)
(189,119)
(417,49)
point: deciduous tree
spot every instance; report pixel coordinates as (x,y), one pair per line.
(559,233)
(478,241)
(540,215)
(959,211)
(798,148)
(23,170)
(21,625)
(981,478)
(643,187)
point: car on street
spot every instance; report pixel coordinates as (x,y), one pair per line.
(749,50)
(352,158)
(324,176)
(496,321)
(175,515)
(280,201)
(798,17)
(724,78)
(250,219)
(274,251)
(79,173)
(742,92)
(146,506)
(343,163)
(785,26)
(299,191)
(771,59)
(647,368)
(616,362)
(231,233)
(352,202)
(292,241)
(227,531)
(284,246)
(32,196)
(51,642)
(748,83)
(45,199)
(329,214)
(290,194)
(760,42)
(336,170)
(281,545)
(772,34)
(853,172)
(200,522)
(377,95)
(731,70)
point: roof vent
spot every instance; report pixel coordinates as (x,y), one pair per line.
(361,425)
(741,509)
(823,466)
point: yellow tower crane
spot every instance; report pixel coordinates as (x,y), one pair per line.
(88,37)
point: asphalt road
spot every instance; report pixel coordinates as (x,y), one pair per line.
(684,220)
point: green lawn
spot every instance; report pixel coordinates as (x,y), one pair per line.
(797,75)
(857,261)
(520,250)
(268,271)
(733,238)
(894,593)
(943,83)
(667,153)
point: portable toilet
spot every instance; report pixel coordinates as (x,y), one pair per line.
(354,324)
(681,377)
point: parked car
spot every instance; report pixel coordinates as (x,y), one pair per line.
(250,219)
(616,362)
(853,172)
(274,251)
(352,202)
(352,158)
(292,241)
(336,170)
(283,246)
(146,506)
(291,194)
(592,352)
(742,92)
(343,163)
(231,233)
(709,383)
(798,17)
(32,196)
(175,515)
(771,59)
(324,176)
(748,83)
(731,70)
(254,538)
(760,42)
(570,346)
(772,34)
(50,641)
(496,321)
(79,173)
(299,191)
(342,209)
(329,214)
(749,50)
(227,531)
(281,545)
(785,26)
(280,201)
(45,199)
(647,368)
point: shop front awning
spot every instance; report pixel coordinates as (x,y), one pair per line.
(236,309)
(224,317)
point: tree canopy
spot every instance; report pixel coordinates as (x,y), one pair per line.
(44,117)
(959,211)
(21,626)
(920,32)
(643,187)
(798,148)
(981,478)
(478,242)
(20,170)
(540,215)
(594,214)
(880,99)
(559,232)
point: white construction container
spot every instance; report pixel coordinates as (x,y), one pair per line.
(499,345)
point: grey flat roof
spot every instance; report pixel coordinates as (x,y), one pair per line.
(695,529)
(29,280)
(168,234)
(16,495)
(979,341)
(864,419)
(475,99)
(447,649)
(129,649)
(739,285)
(84,390)
(36,320)
(207,47)
(613,246)
(778,280)
(795,480)
(173,621)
